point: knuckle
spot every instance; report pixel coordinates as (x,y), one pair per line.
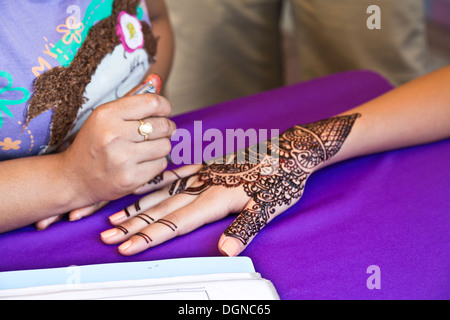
(157,104)
(167,105)
(162,208)
(166,146)
(151,100)
(101,114)
(104,133)
(165,126)
(172,221)
(163,163)
(107,138)
(119,160)
(124,180)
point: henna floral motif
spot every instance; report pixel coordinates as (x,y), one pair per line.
(274,177)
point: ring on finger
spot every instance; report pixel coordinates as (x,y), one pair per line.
(145,129)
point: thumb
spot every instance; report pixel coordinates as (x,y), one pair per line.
(244,228)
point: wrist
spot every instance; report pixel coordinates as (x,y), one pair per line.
(315,145)
(74,192)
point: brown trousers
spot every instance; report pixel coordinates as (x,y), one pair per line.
(226,49)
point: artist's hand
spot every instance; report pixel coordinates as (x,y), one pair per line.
(109,158)
(256,183)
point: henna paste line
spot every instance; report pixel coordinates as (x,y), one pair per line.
(157,179)
(268,182)
(167,223)
(175,174)
(144,236)
(127,212)
(145,218)
(123,229)
(178,186)
(160,177)
(137,206)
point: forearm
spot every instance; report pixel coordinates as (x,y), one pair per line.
(413,114)
(163,32)
(32,189)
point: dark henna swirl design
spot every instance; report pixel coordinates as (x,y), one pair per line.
(274,177)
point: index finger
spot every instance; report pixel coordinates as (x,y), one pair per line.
(143,106)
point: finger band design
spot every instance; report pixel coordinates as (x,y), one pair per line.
(146,218)
(145,129)
(168,223)
(144,236)
(123,229)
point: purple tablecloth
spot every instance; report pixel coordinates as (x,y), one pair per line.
(391,210)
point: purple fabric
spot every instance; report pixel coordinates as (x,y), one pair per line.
(390,210)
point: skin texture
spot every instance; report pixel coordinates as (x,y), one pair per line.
(275,178)
(269,177)
(269,182)
(162,30)
(94,170)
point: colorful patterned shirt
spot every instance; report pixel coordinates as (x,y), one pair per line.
(59,60)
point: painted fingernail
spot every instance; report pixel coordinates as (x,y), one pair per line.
(124,246)
(75,216)
(109,233)
(230,248)
(118,216)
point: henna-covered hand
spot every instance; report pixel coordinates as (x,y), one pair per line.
(259,183)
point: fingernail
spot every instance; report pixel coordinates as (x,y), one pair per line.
(41,226)
(109,233)
(118,216)
(74,217)
(230,248)
(124,246)
(77,214)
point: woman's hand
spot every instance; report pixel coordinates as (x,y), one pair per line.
(109,157)
(259,183)
(163,129)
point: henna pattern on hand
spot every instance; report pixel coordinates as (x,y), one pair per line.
(274,178)
(146,218)
(123,229)
(144,236)
(159,178)
(168,224)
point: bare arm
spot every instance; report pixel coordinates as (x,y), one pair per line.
(32,189)
(107,160)
(162,30)
(413,114)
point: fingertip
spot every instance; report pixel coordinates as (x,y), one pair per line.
(109,235)
(230,247)
(42,225)
(76,215)
(118,217)
(125,246)
(80,213)
(128,248)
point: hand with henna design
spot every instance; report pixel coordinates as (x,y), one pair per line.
(259,182)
